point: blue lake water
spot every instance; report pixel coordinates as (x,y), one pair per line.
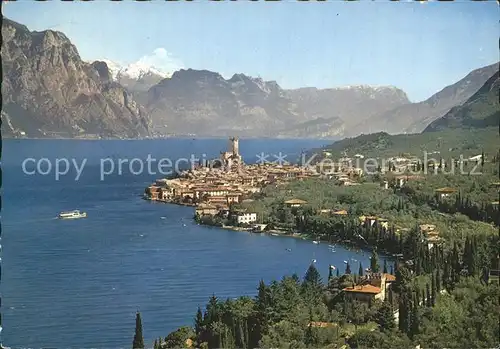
(78,284)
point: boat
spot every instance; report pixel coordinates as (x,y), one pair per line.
(315,242)
(72,214)
(345,262)
(314,261)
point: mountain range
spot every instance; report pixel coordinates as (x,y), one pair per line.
(49,91)
(482,110)
(414,117)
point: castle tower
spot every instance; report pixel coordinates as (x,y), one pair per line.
(234,146)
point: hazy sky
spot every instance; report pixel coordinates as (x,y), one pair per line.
(420,48)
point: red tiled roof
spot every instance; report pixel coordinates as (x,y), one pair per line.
(446,190)
(363,289)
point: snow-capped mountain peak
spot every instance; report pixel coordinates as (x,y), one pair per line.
(136,70)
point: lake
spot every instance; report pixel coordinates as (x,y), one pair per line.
(79,283)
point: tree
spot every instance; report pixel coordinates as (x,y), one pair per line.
(179,337)
(403,279)
(309,338)
(391,297)
(199,323)
(347,269)
(438,280)
(428,301)
(138,338)
(415,320)
(385,317)
(360,271)
(262,304)
(374,266)
(404,311)
(312,276)
(433,289)
(385,266)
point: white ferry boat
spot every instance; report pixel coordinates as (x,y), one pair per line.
(72,214)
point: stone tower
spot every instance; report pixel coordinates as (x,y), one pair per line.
(234,146)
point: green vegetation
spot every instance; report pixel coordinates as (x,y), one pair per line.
(458,308)
(138,342)
(450,144)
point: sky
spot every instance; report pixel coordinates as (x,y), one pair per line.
(418,47)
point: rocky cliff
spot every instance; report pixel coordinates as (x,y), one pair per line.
(48,91)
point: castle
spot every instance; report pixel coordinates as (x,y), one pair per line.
(232,156)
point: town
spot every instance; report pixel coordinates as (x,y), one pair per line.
(212,187)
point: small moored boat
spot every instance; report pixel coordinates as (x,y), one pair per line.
(72,214)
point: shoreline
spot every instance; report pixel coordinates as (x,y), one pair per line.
(348,244)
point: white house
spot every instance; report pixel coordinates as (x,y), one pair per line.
(246,218)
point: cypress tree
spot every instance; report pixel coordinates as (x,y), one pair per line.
(338,272)
(417,295)
(446,275)
(391,297)
(438,280)
(155,345)
(414,319)
(385,266)
(374,266)
(262,304)
(404,312)
(360,271)
(347,269)
(138,338)
(392,270)
(330,273)
(433,289)
(198,323)
(428,295)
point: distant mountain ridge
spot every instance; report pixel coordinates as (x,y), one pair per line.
(482,110)
(50,92)
(414,117)
(204,103)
